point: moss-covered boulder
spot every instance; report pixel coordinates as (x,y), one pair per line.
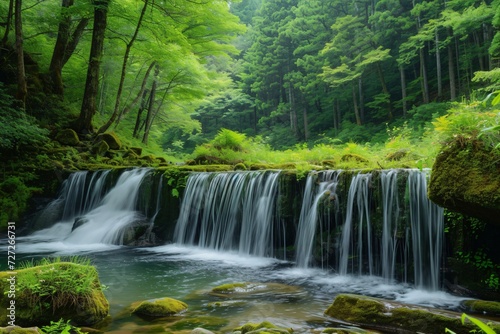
(391,316)
(465,178)
(262,328)
(100,148)
(162,307)
(67,137)
(249,288)
(52,291)
(490,308)
(111,139)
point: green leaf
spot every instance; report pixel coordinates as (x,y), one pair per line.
(485,328)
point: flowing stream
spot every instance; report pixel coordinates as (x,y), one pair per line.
(230,230)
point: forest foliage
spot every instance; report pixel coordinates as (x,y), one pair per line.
(290,75)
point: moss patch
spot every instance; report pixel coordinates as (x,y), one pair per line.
(53,291)
(466,178)
(160,307)
(67,137)
(483,306)
(262,328)
(385,315)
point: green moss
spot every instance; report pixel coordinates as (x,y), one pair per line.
(67,137)
(465,179)
(206,322)
(160,307)
(483,306)
(53,291)
(111,139)
(384,314)
(20,330)
(231,287)
(262,328)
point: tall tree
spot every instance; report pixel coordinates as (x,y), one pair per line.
(22,87)
(116,109)
(84,122)
(66,43)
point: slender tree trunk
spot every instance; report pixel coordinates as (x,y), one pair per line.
(355,105)
(293,111)
(403,89)
(84,122)
(438,66)
(451,72)
(8,22)
(384,89)
(306,124)
(423,76)
(144,102)
(124,71)
(127,109)
(22,87)
(361,100)
(149,116)
(255,120)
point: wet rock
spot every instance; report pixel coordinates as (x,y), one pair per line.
(394,317)
(201,331)
(160,307)
(250,288)
(67,137)
(483,306)
(79,221)
(111,139)
(262,328)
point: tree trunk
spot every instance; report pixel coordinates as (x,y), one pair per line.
(8,22)
(361,100)
(451,73)
(149,116)
(384,88)
(306,124)
(438,66)
(22,87)
(84,122)
(403,89)
(355,105)
(144,102)
(55,68)
(293,112)
(423,76)
(127,109)
(124,71)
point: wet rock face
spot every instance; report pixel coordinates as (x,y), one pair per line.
(466,178)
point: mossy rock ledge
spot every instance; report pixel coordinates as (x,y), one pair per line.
(162,307)
(389,316)
(261,328)
(20,330)
(465,178)
(49,292)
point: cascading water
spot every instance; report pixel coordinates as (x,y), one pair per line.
(320,186)
(357,213)
(229,211)
(427,226)
(384,231)
(94,214)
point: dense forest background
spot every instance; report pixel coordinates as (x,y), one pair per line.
(284,72)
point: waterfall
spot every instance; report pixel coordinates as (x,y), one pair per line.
(427,225)
(116,211)
(229,211)
(357,215)
(318,186)
(379,223)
